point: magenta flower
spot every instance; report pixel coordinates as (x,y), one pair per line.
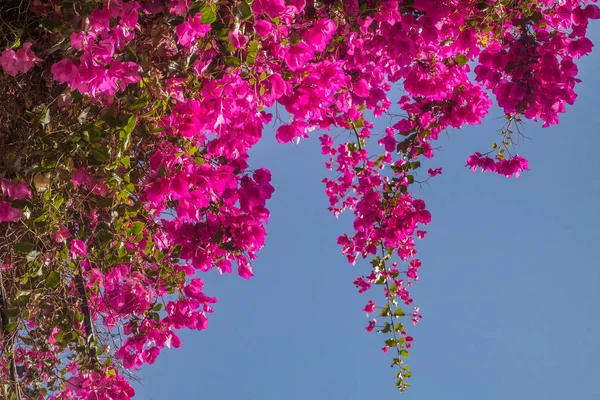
(18,190)
(64,71)
(61,235)
(369,308)
(192,29)
(371,325)
(434,171)
(52,337)
(263,27)
(319,35)
(273,8)
(580,47)
(78,249)
(20,61)
(297,56)
(244,268)
(80,177)
(8,213)
(238,40)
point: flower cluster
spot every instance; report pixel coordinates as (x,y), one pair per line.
(20,61)
(12,190)
(97,72)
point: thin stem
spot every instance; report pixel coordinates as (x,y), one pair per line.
(8,342)
(90,335)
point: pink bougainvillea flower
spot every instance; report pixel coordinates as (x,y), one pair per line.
(191,30)
(371,325)
(61,235)
(297,56)
(20,61)
(8,213)
(263,27)
(286,133)
(26,57)
(273,8)
(237,39)
(80,177)
(580,47)
(179,6)
(128,72)
(319,35)
(78,249)
(18,190)
(434,171)
(53,334)
(244,268)
(278,85)
(369,308)
(8,62)
(64,71)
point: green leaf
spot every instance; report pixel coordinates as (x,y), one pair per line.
(385,312)
(386,328)
(126,161)
(208,15)
(399,313)
(232,61)
(45,117)
(22,293)
(100,154)
(244,11)
(195,8)
(110,121)
(404,353)
(461,60)
(52,280)
(130,124)
(32,255)
(79,317)
(125,132)
(137,227)
(24,247)
(252,52)
(142,102)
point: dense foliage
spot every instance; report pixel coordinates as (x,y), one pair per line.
(125,128)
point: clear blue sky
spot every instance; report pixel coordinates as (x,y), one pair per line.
(509,287)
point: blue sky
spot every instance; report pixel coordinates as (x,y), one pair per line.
(508,288)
